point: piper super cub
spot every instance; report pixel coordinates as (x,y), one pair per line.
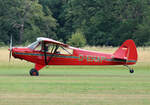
(45,51)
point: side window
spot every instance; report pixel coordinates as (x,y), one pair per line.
(64,50)
(51,48)
(48,47)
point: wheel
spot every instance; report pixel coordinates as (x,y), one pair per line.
(131,71)
(34,72)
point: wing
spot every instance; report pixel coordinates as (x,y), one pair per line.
(47,40)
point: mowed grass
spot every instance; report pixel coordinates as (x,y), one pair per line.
(75,85)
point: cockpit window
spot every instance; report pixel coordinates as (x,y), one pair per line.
(50,48)
(38,47)
(33,45)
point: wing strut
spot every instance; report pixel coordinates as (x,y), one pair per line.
(45,55)
(53,53)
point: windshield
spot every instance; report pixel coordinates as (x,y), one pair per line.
(33,45)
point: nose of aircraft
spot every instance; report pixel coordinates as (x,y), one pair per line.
(12,52)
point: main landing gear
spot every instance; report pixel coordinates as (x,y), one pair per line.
(130,69)
(34,72)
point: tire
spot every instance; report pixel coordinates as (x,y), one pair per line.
(131,71)
(34,72)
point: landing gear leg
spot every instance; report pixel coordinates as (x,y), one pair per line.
(34,72)
(130,69)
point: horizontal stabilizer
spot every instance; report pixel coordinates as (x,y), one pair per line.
(119,60)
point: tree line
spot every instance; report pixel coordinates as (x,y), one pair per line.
(102,22)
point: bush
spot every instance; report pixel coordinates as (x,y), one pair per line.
(77,40)
(2,44)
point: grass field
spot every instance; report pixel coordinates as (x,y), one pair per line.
(75,85)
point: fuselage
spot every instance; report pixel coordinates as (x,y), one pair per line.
(78,57)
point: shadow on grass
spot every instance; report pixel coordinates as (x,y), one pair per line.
(69,75)
(14,75)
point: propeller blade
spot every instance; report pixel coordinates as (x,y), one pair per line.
(10,48)
(10,55)
(10,43)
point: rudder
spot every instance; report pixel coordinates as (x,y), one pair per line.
(127,51)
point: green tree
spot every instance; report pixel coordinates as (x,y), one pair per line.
(57,8)
(25,20)
(104,22)
(77,40)
(142,33)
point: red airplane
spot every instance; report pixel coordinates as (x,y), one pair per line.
(47,51)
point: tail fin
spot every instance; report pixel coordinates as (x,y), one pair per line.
(127,51)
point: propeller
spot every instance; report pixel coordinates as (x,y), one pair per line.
(10,48)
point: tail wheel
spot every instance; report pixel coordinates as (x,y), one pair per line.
(34,72)
(130,69)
